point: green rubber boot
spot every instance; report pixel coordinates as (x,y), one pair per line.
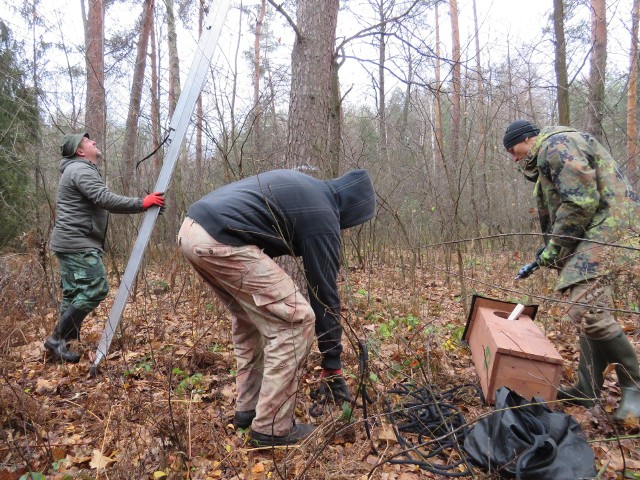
(67,328)
(590,374)
(621,352)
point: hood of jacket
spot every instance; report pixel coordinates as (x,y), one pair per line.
(355,196)
(65,162)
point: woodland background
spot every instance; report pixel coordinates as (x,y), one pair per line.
(455,218)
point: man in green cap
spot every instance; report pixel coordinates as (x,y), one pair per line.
(83,203)
(587,211)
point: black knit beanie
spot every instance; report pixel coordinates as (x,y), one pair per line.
(518,132)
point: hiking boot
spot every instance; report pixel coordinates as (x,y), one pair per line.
(298,432)
(243,419)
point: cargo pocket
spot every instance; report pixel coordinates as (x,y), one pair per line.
(226,262)
(283,301)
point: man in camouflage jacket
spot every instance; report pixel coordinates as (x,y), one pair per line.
(589,213)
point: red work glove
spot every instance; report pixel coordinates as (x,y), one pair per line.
(155,198)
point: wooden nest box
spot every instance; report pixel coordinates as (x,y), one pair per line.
(511,353)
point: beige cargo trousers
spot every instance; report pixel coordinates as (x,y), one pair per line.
(272,324)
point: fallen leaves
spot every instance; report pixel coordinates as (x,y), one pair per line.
(55,414)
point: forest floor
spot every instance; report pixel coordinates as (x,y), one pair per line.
(162,402)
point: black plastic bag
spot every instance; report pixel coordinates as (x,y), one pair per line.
(525,440)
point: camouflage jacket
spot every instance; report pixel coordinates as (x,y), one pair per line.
(582,197)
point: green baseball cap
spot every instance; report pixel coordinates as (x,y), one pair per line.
(70,144)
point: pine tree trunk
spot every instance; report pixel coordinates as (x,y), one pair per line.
(598,66)
(131,130)
(96,107)
(311,60)
(562,81)
(257,104)
(632,97)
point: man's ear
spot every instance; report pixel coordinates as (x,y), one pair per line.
(80,153)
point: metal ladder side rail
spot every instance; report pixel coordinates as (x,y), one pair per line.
(177,129)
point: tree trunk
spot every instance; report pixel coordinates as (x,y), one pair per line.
(96,107)
(174,60)
(257,104)
(632,97)
(131,130)
(598,66)
(406,104)
(199,113)
(335,120)
(313,50)
(155,103)
(456,101)
(382,100)
(438,136)
(562,81)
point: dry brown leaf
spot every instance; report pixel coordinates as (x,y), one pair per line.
(43,385)
(386,434)
(408,476)
(100,461)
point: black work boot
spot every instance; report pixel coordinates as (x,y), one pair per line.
(243,419)
(621,352)
(68,328)
(332,387)
(297,433)
(590,374)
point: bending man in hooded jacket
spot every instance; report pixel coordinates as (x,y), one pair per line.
(584,204)
(83,203)
(231,236)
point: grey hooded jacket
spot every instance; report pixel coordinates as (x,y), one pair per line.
(286,212)
(83,203)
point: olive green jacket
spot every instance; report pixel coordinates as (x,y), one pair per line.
(83,203)
(584,201)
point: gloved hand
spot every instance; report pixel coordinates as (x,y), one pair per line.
(155,198)
(549,255)
(539,251)
(527,270)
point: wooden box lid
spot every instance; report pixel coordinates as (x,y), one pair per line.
(520,338)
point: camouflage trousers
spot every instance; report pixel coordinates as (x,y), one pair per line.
(590,311)
(272,324)
(83,280)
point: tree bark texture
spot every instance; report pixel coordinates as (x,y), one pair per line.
(199,114)
(174,59)
(131,130)
(96,107)
(598,66)
(313,51)
(632,97)
(382,99)
(437,133)
(562,81)
(155,103)
(257,104)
